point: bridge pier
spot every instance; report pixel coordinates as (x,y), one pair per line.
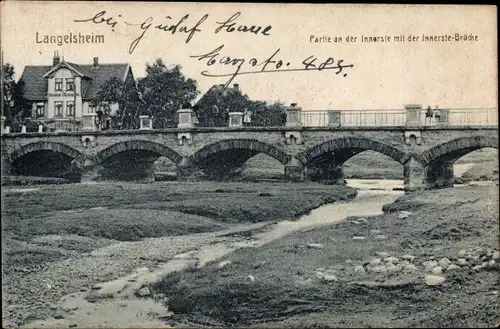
(6,166)
(184,170)
(294,170)
(414,176)
(89,174)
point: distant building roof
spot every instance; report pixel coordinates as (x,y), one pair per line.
(219,89)
(93,76)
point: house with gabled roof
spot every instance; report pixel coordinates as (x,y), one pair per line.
(218,90)
(64,90)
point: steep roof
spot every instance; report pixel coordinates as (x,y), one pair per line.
(215,88)
(35,84)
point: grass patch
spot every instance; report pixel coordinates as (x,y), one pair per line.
(116,224)
(87,216)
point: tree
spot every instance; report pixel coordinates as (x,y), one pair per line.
(126,96)
(213,109)
(269,114)
(163,92)
(15,107)
(8,85)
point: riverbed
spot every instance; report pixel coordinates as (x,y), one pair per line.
(115,304)
(374,271)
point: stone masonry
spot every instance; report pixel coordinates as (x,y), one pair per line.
(427,158)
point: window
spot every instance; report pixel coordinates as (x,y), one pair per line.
(70,84)
(91,108)
(58,86)
(40,110)
(58,109)
(70,108)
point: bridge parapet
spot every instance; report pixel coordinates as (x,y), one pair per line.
(466,117)
(293,116)
(413,112)
(89,122)
(186,118)
(145,122)
(354,118)
(235,119)
(412,117)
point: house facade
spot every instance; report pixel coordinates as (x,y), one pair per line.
(61,93)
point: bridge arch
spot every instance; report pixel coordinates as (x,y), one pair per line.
(231,144)
(131,160)
(137,145)
(47,146)
(452,150)
(352,146)
(44,158)
(226,158)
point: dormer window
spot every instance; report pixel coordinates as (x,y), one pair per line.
(70,84)
(59,84)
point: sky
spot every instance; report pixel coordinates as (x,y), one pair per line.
(383,75)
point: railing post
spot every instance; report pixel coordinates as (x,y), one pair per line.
(445,117)
(40,128)
(186,118)
(293,116)
(235,119)
(334,118)
(2,127)
(413,115)
(145,122)
(88,121)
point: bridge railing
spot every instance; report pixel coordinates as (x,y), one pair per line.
(414,116)
(398,117)
(462,117)
(353,118)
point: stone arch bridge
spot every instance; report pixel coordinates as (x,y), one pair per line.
(427,153)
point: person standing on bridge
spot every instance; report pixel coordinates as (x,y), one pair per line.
(247,117)
(429,115)
(437,114)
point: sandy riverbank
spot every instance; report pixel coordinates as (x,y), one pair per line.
(304,275)
(64,239)
(430,261)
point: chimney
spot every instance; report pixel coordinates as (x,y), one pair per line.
(56,58)
(96,61)
(236,87)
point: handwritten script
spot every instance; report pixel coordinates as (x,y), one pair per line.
(270,65)
(176,26)
(189,27)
